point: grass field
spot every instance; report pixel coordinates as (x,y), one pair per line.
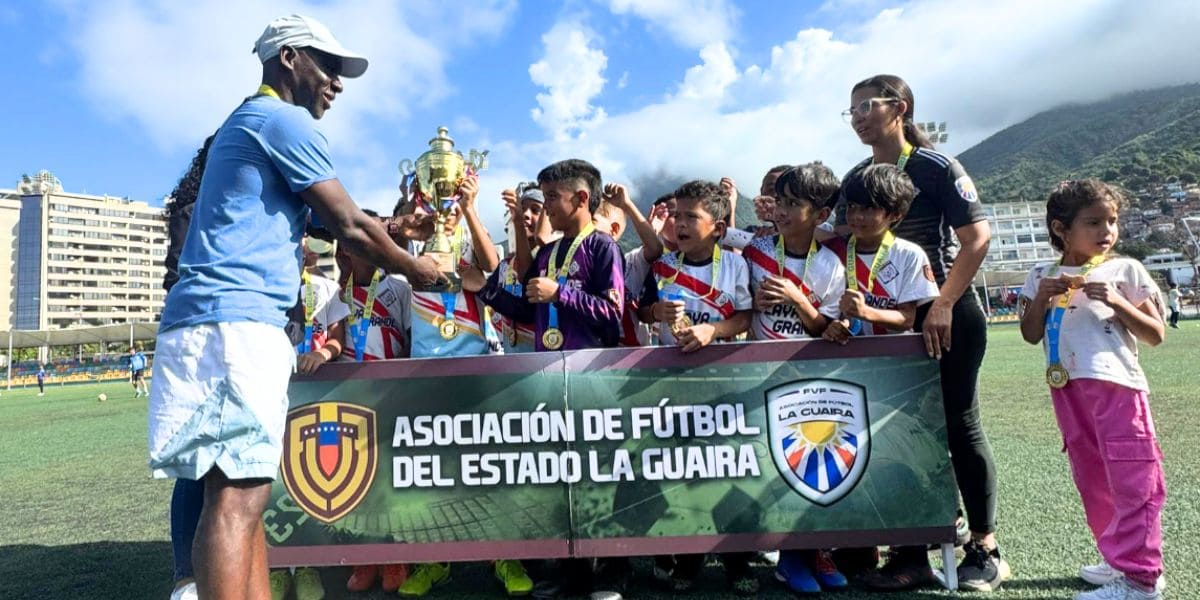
(81,518)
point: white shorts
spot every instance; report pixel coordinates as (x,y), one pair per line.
(219,399)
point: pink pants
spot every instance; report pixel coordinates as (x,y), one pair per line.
(1117,466)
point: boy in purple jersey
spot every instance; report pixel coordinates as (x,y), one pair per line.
(573,293)
(579,304)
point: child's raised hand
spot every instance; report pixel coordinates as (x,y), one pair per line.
(764,208)
(658,217)
(512,204)
(730,188)
(617,195)
(1103,291)
(853,304)
(467,191)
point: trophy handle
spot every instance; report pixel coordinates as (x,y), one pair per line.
(477,160)
(407,168)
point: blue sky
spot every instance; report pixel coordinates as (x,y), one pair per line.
(114,97)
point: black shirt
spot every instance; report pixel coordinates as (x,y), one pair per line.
(946,200)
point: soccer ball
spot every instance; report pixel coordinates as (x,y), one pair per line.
(102,397)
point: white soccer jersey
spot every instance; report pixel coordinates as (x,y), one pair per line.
(388,335)
(703,301)
(823,287)
(905,276)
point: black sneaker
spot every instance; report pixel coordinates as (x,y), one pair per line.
(903,571)
(982,570)
(738,573)
(686,571)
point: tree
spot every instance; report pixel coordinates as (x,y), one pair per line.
(1134,249)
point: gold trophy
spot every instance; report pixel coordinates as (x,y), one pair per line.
(439,171)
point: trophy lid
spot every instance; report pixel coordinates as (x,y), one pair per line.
(443,142)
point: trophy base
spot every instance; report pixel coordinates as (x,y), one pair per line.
(446,264)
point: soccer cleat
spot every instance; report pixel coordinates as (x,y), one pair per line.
(394,576)
(281,582)
(1121,589)
(827,573)
(512,574)
(308,584)
(362,578)
(186,592)
(982,570)
(1099,574)
(423,578)
(794,572)
(901,572)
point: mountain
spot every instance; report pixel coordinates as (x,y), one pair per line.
(1138,140)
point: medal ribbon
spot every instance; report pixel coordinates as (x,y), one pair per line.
(881,254)
(310,311)
(359,327)
(712,282)
(905,154)
(266,90)
(781,261)
(450,299)
(1054,319)
(560,273)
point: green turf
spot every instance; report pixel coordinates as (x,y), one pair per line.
(81,518)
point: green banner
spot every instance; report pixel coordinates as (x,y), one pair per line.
(614,452)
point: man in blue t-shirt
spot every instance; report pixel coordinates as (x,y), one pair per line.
(222,359)
(137,367)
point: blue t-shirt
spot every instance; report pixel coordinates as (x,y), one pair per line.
(241,258)
(137,362)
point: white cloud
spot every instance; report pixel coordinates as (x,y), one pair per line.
(691,23)
(979,65)
(709,80)
(176,70)
(572,71)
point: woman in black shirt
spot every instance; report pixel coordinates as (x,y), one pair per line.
(947,221)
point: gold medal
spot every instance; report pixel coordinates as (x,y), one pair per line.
(552,339)
(448,329)
(1056,376)
(682,324)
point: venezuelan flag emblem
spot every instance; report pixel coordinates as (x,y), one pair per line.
(329,457)
(820,436)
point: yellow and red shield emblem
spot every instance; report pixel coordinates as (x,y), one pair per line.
(329,457)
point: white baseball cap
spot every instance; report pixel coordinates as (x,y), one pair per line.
(299,31)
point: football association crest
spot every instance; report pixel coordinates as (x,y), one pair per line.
(819,436)
(329,457)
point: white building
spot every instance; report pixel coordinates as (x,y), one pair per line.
(83,260)
(1019,236)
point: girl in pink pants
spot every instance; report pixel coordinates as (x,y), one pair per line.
(1090,310)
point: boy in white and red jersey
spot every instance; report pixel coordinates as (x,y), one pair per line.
(797,284)
(796,281)
(892,275)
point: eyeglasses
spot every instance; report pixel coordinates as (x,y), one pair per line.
(864,107)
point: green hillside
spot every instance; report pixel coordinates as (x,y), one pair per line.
(1138,140)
